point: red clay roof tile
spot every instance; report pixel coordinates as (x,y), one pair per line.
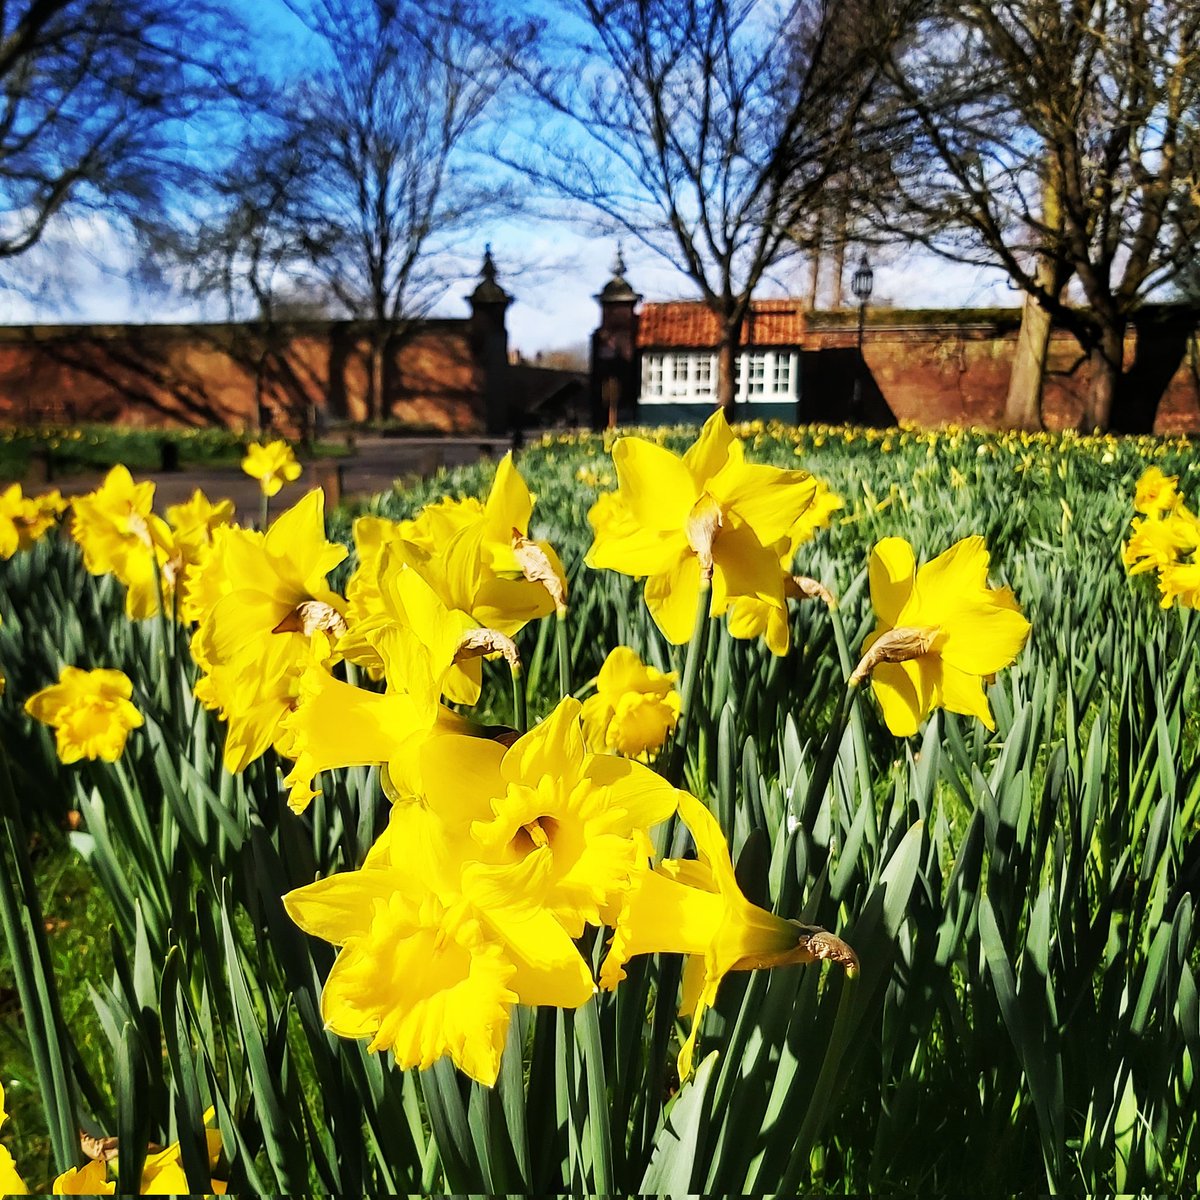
(692,323)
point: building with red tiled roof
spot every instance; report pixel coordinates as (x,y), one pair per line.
(659,363)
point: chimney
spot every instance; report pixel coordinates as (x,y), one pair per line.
(489,339)
(615,383)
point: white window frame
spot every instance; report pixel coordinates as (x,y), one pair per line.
(680,376)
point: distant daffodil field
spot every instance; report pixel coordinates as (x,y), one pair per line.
(740,809)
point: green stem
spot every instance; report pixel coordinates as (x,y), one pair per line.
(520,716)
(562,643)
(825,1090)
(691,680)
(265,512)
(829,748)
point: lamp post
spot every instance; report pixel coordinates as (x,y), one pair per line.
(861,284)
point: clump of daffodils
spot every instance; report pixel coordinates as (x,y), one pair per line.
(1164,537)
(505,847)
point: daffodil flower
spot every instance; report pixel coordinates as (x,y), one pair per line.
(470,555)
(24,519)
(272,464)
(709,515)
(695,907)
(957,632)
(162,1172)
(634,709)
(470,900)
(264,609)
(120,535)
(1155,493)
(90,712)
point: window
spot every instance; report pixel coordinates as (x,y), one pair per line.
(652,375)
(783,374)
(758,374)
(679,374)
(704,374)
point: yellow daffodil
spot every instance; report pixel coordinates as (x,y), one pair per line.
(90,712)
(120,535)
(272,465)
(335,724)
(11,1184)
(24,519)
(949,628)
(162,1172)
(192,523)
(405,598)
(264,611)
(709,514)
(1180,581)
(634,709)
(1158,541)
(470,900)
(1155,493)
(751,616)
(695,907)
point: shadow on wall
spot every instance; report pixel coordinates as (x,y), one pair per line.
(1159,352)
(827,394)
(242,377)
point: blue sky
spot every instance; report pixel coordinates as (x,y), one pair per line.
(553,269)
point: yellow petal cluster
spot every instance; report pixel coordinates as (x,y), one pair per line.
(676,520)
(24,519)
(11,1183)
(335,724)
(635,707)
(120,535)
(162,1172)
(1165,538)
(272,464)
(467,551)
(962,632)
(695,907)
(265,612)
(470,901)
(90,712)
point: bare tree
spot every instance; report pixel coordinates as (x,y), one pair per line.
(707,129)
(361,185)
(1059,140)
(94,99)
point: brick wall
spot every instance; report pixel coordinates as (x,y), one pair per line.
(216,374)
(956,371)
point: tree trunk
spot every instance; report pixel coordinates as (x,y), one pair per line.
(1026,383)
(1104,370)
(1023,404)
(838,299)
(814,279)
(727,372)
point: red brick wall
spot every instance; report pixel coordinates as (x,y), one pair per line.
(958,373)
(210,374)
